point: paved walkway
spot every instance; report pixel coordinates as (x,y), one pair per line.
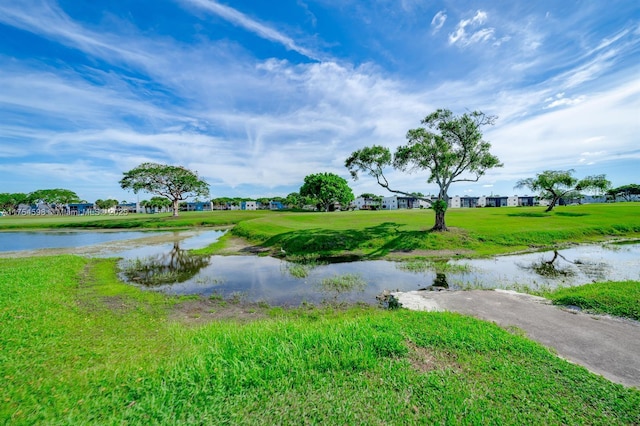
(604,345)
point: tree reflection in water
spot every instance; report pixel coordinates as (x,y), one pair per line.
(175,266)
(549,268)
(441,280)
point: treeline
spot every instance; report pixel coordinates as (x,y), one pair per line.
(625,192)
(53,198)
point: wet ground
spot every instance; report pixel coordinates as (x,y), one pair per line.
(162,261)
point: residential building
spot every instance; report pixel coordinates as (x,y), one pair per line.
(199,206)
(248,205)
(81,208)
(362,203)
(396,202)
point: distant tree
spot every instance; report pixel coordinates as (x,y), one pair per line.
(294,200)
(626,192)
(326,189)
(55,197)
(555,184)
(176,183)
(106,204)
(11,201)
(156,203)
(450,149)
(263,202)
(377,199)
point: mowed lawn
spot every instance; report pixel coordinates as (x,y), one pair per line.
(129,221)
(373,234)
(77,346)
(473,232)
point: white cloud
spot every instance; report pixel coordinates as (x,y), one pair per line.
(262,30)
(560,100)
(438,21)
(462,38)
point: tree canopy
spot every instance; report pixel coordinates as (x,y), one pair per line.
(156,203)
(449,149)
(553,185)
(626,192)
(55,196)
(326,189)
(11,201)
(106,204)
(176,183)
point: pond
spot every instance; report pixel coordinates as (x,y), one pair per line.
(278,282)
(161,261)
(36,240)
(101,243)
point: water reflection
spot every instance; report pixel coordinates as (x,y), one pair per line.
(441,280)
(551,269)
(174,266)
(277,282)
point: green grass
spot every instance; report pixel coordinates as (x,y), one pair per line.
(79,347)
(132,221)
(375,234)
(474,232)
(614,298)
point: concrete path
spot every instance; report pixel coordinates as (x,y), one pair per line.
(604,345)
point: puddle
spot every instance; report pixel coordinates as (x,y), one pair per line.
(161,261)
(32,240)
(280,283)
(93,243)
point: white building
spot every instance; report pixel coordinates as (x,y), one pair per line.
(362,203)
(395,202)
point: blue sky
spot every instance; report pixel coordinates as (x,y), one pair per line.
(256,95)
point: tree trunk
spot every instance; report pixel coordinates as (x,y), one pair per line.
(175,208)
(440,207)
(440,224)
(552,204)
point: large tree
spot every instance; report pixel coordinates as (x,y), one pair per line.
(175,183)
(326,189)
(553,185)
(449,149)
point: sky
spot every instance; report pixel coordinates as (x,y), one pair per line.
(255,95)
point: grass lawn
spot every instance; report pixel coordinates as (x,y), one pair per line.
(79,347)
(620,299)
(374,234)
(474,232)
(144,221)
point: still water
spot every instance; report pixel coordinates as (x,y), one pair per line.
(36,240)
(161,261)
(277,282)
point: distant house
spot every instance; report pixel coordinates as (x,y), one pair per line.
(390,203)
(496,201)
(527,201)
(275,205)
(248,205)
(463,202)
(81,208)
(364,203)
(199,206)
(127,208)
(590,199)
(397,202)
